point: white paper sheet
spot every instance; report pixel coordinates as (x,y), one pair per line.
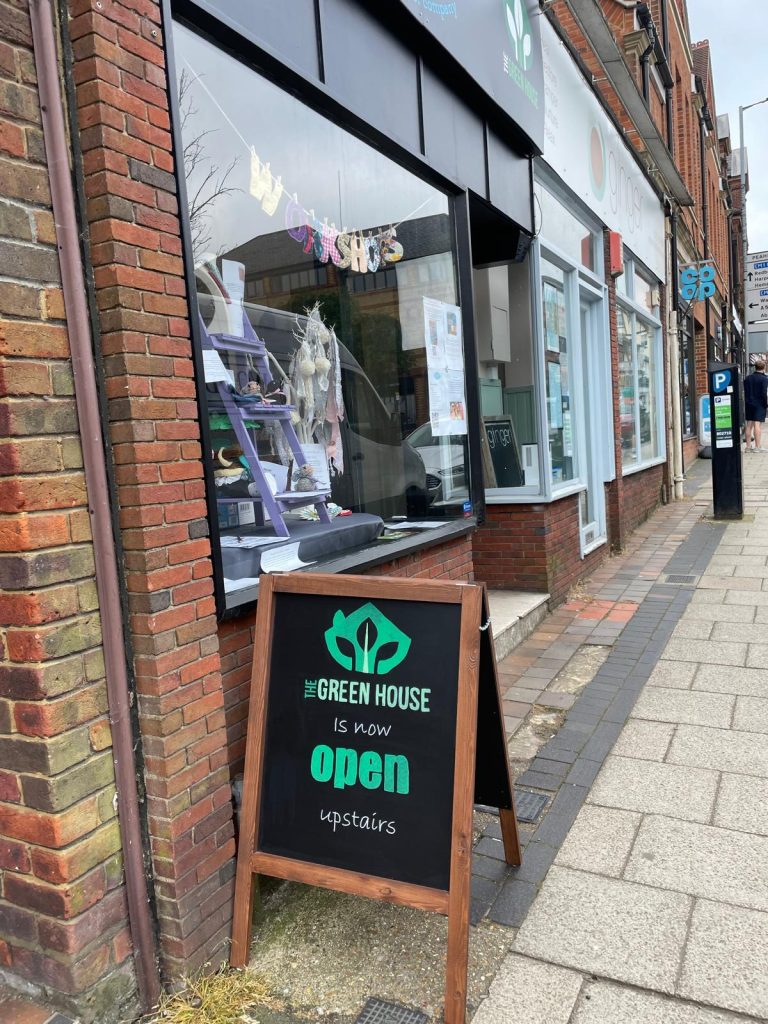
(246,581)
(247,542)
(214,369)
(282,559)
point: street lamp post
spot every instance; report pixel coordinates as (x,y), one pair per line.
(743,169)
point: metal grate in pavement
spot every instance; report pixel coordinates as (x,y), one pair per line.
(378,1011)
(681,579)
(529,806)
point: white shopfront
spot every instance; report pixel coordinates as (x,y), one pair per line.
(587,180)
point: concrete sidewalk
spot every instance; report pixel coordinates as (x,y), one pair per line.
(655,910)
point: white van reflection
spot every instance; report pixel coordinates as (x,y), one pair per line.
(383,474)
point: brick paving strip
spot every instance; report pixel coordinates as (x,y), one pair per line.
(646,898)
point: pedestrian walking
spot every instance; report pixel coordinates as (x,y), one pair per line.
(755,403)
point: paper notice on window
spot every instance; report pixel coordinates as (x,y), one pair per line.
(282,559)
(214,369)
(445,368)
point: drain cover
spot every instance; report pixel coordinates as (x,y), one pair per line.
(378,1011)
(681,578)
(529,806)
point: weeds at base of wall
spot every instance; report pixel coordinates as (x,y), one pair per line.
(220,998)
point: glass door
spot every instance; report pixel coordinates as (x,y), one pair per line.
(592,499)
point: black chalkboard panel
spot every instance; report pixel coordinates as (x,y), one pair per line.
(504,466)
(358,769)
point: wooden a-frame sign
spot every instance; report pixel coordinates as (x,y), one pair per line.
(375,723)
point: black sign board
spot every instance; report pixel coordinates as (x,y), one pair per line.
(499,43)
(724,404)
(502,456)
(356,761)
(367,703)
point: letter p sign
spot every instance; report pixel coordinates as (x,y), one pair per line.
(720,380)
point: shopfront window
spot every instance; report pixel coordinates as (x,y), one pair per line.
(687,378)
(558,374)
(331,335)
(640,368)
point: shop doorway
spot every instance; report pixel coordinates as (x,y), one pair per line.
(592,518)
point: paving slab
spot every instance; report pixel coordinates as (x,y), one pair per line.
(751,714)
(751,682)
(757,654)
(701,860)
(525,990)
(747,632)
(647,740)
(657,704)
(745,753)
(742,803)
(728,583)
(676,675)
(633,784)
(719,612)
(693,629)
(743,598)
(726,958)
(602,1002)
(710,652)
(609,927)
(600,841)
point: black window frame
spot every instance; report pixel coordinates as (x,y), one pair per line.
(241,48)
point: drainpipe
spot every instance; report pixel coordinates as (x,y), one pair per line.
(644,58)
(673,341)
(86,397)
(703,115)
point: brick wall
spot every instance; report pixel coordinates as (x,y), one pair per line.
(63,922)
(640,495)
(135,249)
(452,561)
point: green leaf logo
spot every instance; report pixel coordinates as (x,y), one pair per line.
(519,28)
(360,640)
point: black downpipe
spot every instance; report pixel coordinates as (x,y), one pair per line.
(644,59)
(705,226)
(670,121)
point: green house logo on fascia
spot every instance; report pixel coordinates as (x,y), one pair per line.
(519,28)
(366,641)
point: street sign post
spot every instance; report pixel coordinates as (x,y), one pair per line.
(725,403)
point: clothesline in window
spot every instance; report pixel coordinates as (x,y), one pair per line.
(276,182)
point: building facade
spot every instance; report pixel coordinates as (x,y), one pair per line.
(268,310)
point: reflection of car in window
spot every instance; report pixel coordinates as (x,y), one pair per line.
(445,459)
(383,474)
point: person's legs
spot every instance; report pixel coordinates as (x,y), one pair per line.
(758,430)
(749,429)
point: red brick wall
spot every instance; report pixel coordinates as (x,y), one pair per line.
(640,495)
(533,547)
(452,561)
(63,918)
(690,451)
(135,248)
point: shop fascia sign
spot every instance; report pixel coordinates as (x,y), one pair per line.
(697,281)
(498,43)
(582,146)
(357,250)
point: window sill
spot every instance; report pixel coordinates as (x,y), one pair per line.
(514,498)
(644,465)
(366,558)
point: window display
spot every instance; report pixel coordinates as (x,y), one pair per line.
(330,330)
(640,368)
(558,379)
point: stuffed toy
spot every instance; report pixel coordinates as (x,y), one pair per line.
(304,479)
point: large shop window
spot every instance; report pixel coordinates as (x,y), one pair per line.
(640,372)
(331,335)
(687,377)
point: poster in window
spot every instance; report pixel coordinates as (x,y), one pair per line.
(445,368)
(554,396)
(551,331)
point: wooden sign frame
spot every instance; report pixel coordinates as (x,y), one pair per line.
(455,902)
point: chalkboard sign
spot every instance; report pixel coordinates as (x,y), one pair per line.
(502,454)
(366,704)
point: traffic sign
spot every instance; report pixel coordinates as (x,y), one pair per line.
(757,304)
